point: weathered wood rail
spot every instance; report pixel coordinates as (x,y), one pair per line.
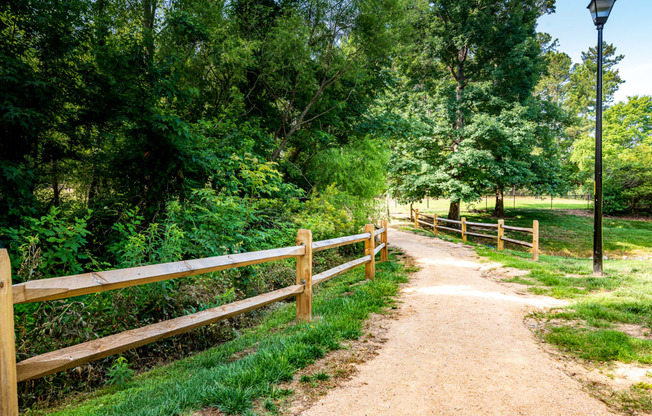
(464,224)
(68,286)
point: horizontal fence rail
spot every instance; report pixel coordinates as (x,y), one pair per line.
(338,242)
(63,287)
(83,284)
(500,227)
(79,354)
(342,268)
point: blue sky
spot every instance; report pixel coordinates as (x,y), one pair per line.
(629,28)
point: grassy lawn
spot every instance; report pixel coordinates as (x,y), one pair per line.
(440,206)
(234,375)
(566,235)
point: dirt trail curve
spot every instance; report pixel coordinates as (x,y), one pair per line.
(458,347)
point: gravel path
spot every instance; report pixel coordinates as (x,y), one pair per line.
(458,347)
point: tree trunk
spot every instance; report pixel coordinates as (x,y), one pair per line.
(459,91)
(56,200)
(499,210)
(454,210)
(149,19)
(93,191)
(458,74)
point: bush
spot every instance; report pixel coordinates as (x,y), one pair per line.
(47,246)
(628,190)
(334,213)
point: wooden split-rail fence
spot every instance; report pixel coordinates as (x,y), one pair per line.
(64,287)
(500,228)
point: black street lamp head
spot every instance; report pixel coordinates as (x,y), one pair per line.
(600,10)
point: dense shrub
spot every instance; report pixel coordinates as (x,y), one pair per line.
(47,246)
(628,190)
(333,213)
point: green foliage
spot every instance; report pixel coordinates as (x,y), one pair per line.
(581,99)
(214,378)
(120,374)
(333,213)
(51,245)
(157,243)
(627,156)
(628,189)
(358,169)
(473,68)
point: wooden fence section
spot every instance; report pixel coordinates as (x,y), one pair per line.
(63,287)
(463,229)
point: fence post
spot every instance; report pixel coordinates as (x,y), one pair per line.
(411,211)
(304,277)
(8,387)
(501,234)
(588,202)
(434,224)
(383,239)
(464,229)
(370,268)
(416,218)
(535,240)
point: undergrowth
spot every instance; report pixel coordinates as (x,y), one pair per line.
(233,375)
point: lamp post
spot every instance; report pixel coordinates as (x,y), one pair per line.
(600,10)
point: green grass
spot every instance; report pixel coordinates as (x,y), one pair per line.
(609,321)
(275,350)
(600,345)
(560,277)
(566,235)
(322,376)
(440,206)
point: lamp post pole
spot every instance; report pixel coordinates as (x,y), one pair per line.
(597,212)
(600,11)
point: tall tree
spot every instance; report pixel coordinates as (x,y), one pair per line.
(627,152)
(473,57)
(581,99)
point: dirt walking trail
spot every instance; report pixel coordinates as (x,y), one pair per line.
(458,347)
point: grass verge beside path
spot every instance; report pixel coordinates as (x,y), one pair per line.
(563,234)
(234,375)
(610,321)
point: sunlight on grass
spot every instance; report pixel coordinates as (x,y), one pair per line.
(222,378)
(563,234)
